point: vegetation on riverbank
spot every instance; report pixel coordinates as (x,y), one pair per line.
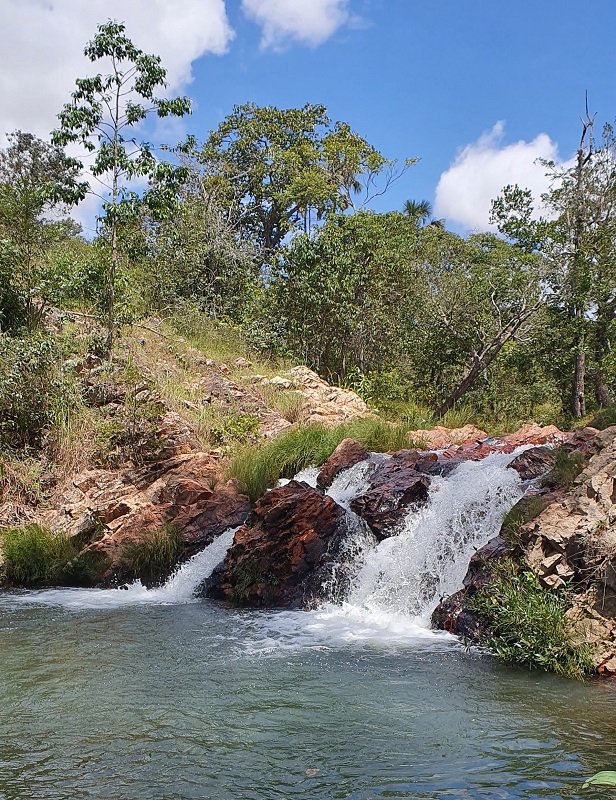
(526,623)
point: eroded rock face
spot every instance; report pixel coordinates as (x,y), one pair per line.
(533,463)
(395,486)
(106,508)
(285,553)
(347,454)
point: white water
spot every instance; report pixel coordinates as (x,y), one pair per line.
(397,583)
(179,588)
(400,581)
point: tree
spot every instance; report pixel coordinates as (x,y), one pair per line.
(102,116)
(577,245)
(33,175)
(481,294)
(345,295)
(282,168)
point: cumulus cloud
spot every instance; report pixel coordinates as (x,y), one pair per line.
(310,22)
(481,170)
(42,45)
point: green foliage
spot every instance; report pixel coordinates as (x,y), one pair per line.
(33,556)
(234,427)
(153,557)
(565,470)
(256,469)
(527,623)
(85,569)
(30,171)
(104,108)
(605,418)
(522,512)
(278,167)
(605,778)
(33,392)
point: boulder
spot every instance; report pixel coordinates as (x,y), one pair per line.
(395,486)
(347,454)
(533,463)
(285,554)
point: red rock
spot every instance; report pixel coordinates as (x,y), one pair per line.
(533,463)
(394,487)
(281,558)
(532,433)
(347,454)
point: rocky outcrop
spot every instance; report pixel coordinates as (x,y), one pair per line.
(285,554)
(347,454)
(325,404)
(106,508)
(394,487)
(568,538)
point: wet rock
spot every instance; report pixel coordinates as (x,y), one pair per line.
(454,616)
(347,454)
(533,463)
(285,554)
(394,487)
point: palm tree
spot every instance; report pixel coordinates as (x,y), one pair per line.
(421,212)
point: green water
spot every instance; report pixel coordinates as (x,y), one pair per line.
(196,701)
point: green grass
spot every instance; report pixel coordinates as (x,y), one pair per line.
(33,556)
(527,623)
(152,558)
(309,445)
(604,418)
(565,470)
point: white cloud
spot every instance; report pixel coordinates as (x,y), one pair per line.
(310,22)
(42,43)
(481,170)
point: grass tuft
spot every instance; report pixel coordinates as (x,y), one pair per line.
(527,623)
(153,558)
(256,469)
(33,556)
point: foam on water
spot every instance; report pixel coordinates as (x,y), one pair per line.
(400,581)
(177,590)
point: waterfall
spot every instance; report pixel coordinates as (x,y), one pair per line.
(410,572)
(179,588)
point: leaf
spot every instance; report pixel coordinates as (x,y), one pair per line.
(605,778)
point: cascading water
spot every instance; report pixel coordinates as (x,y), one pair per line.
(408,573)
(180,587)
(397,583)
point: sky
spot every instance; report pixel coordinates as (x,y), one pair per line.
(477,90)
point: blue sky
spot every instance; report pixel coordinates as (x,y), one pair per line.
(421,80)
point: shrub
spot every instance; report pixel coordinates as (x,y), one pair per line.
(152,558)
(85,569)
(29,391)
(527,623)
(33,556)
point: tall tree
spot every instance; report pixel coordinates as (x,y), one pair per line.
(282,168)
(33,176)
(103,115)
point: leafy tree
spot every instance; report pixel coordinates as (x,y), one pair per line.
(346,295)
(481,294)
(33,176)
(577,246)
(280,168)
(102,116)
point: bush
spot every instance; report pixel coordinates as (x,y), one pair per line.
(29,389)
(33,556)
(152,558)
(309,445)
(527,623)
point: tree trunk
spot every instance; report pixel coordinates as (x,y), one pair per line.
(578,402)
